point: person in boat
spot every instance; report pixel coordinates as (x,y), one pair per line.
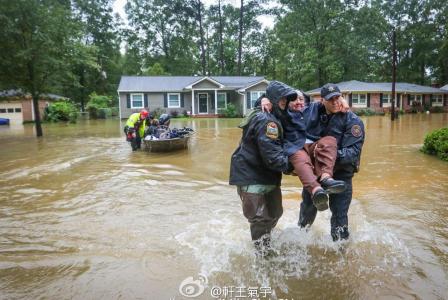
(348,129)
(257,165)
(135,128)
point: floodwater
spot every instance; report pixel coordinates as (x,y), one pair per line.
(83,217)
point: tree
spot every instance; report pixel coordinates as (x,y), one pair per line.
(38,41)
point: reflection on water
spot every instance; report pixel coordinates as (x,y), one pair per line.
(82,216)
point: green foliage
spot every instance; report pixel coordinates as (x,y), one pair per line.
(230,111)
(437,109)
(436,143)
(155,70)
(157,112)
(174,114)
(61,111)
(99,106)
(365,112)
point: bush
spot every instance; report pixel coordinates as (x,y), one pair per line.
(437,109)
(61,111)
(157,112)
(104,113)
(230,111)
(365,112)
(97,102)
(174,114)
(436,143)
(185,113)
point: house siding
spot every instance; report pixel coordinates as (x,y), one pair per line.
(205,84)
(155,101)
(259,87)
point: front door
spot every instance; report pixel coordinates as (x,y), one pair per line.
(203,103)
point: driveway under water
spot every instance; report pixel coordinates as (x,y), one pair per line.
(83,217)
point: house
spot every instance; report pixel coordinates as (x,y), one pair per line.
(445,87)
(377,96)
(197,96)
(18,106)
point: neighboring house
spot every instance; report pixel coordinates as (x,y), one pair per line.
(377,96)
(210,94)
(18,107)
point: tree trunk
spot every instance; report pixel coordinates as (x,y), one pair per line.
(240,37)
(221,44)
(37,114)
(201,32)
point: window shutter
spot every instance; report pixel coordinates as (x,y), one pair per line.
(248,100)
(213,101)
(430,99)
(165,100)
(368,100)
(409,99)
(128,100)
(397,101)
(182,104)
(146,100)
(381,100)
(350,100)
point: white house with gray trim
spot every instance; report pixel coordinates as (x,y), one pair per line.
(210,94)
(378,95)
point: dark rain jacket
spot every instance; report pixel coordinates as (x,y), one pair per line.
(259,158)
(348,129)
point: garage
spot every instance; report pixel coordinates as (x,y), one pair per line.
(12,111)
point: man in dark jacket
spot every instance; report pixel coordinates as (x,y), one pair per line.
(257,165)
(348,129)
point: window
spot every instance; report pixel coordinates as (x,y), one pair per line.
(173,100)
(18,109)
(386,99)
(222,101)
(254,96)
(136,100)
(3,110)
(359,100)
(10,110)
(416,99)
(437,100)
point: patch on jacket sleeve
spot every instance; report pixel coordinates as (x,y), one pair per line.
(272,130)
(356,131)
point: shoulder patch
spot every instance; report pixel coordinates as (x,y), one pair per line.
(356,130)
(272,130)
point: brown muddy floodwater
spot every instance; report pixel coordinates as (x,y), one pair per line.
(83,217)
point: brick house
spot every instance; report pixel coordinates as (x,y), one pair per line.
(18,107)
(199,96)
(377,96)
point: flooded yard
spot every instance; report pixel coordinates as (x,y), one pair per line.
(84,217)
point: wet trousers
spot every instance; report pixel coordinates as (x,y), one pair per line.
(314,160)
(339,205)
(261,210)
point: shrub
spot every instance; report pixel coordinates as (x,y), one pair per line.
(365,112)
(185,113)
(436,143)
(230,111)
(437,109)
(157,112)
(104,113)
(97,102)
(61,111)
(174,113)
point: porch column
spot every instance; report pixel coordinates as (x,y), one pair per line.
(216,102)
(244,103)
(192,102)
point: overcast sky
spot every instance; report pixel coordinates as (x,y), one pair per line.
(266,21)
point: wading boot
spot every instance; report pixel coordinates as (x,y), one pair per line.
(320,199)
(332,186)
